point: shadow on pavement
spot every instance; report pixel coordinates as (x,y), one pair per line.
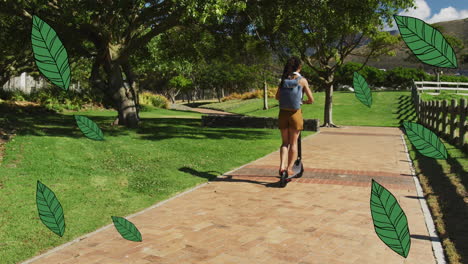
(424,237)
(213,177)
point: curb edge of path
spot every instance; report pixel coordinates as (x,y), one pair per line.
(53,250)
(436,244)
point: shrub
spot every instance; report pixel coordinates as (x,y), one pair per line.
(250,95)
(156,100)
(402,77)
(374,77)
(59,100)
(232,96)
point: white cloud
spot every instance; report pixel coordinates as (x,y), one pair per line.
(447,14)
(423,11)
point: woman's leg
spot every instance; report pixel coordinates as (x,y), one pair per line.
(293,136)
(284,149)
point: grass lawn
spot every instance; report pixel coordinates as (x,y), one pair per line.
(129,171)
(347,110)
(444,95)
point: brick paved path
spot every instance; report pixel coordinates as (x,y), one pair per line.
(242,217)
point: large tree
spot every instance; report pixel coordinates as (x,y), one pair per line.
(111,31)
(325,32)
(15,53)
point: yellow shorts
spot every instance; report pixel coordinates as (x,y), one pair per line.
(291,119)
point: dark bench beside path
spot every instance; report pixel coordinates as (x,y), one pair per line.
(216,120)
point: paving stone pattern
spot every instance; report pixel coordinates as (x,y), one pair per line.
(242,217)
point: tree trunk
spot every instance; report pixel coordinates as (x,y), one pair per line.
(133,86)
(328,116)
(265,95)
(216,90)
(124,101)
(172,94)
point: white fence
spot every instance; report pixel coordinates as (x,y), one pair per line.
(28,85)
(442,86)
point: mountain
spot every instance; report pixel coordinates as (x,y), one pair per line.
(457,28)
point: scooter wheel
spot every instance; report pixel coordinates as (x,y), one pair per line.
(283,179)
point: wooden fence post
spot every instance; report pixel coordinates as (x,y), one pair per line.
(424,113)
(453,116)
(431,114)
(438,117)
(461,127)
(444,117)
(418,110)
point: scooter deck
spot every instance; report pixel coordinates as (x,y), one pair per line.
(298,169)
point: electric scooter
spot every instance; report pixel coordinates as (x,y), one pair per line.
(298,168)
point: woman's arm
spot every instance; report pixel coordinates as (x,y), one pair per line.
(307,91)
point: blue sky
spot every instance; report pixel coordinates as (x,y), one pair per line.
(436,5)
(432,11)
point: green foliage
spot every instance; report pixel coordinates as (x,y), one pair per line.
(59,100)
(427,43)
(401,78)
(180,82)
(250,95)
(361,90)
(324,33)
(50,210)
(189,57)
(156,100)
(390,221)
(50,54)
(89,128)
(373,76)
(449,78)
(126,229)
(425,141)
(16,53)
(54,99)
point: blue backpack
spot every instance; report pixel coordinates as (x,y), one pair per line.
(291,94)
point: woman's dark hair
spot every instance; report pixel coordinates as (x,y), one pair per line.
(291,66)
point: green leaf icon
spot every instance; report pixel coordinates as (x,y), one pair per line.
(50,210)
(89,128)
(426,42)
(390,222)
(50,54)
(425,141)
(126,229)
(362,90)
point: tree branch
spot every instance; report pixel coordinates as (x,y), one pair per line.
(171,21)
